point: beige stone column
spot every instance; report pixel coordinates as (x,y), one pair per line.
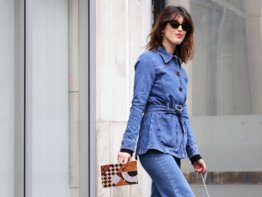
(74,149)
(184,3)
(121,30)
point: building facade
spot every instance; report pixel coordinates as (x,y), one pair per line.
(67,70)
(46,117)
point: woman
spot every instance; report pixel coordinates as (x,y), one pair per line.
(159,112)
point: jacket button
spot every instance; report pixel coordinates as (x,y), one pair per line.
(180,89)
(177,73)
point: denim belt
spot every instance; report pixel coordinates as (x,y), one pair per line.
(177,110)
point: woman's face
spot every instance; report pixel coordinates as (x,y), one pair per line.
(173,33)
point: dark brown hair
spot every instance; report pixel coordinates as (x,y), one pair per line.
(185,51)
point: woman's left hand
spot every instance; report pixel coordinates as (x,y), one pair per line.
(200,166)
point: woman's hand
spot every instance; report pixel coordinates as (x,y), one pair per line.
(123,157)
(200,166)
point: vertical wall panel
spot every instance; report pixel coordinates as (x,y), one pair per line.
(7,66)
(122,28)
(47,98)
(104,59)
(19,98)
(103,154)
(120,57)
(74,136)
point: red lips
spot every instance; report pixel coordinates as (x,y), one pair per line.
(179,35)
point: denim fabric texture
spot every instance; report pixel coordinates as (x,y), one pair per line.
(167,178)
(160,87)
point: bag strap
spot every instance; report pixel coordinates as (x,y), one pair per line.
(204,182)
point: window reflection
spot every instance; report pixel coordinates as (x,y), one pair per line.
(225,75)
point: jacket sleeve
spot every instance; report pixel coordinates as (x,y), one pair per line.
(144,79)
(191,146)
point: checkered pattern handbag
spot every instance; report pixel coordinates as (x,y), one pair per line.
(118,175)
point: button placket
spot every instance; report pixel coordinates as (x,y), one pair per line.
(180,89)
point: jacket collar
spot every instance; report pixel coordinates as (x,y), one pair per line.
(166,56)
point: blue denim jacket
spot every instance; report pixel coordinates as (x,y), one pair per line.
(159,113)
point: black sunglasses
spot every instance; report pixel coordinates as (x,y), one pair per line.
(175,24)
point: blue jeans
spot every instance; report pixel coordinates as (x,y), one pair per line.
(167,177)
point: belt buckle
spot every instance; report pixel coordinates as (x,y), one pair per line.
(179,108)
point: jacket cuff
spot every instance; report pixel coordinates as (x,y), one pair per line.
(127,151)
(195,158)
